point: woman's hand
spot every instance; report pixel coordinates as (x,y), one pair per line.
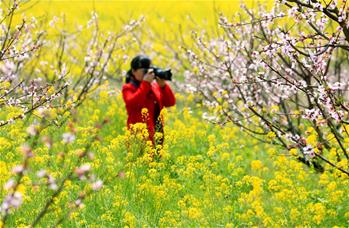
(149,77)
(161,82)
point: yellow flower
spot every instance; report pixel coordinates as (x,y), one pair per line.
(294,214)
(310,130)
(6,85)
(318,211)
(129,219)
(211,151)
(256,165)
(228,209)
(211,139)
(256,205)
(194,213)
(323,179)
(103,94)
(273,185)
(271,135)
(331,186)
(4,144)
(312,140)
(229,225)
(293,152)
(51,90)
(170,219)
(336,196)
(267,221)
(74,215)
(272,151)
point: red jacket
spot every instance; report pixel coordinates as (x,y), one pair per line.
(146,95)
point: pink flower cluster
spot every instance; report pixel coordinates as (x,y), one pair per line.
(287,75)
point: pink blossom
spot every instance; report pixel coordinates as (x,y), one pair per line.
(41,173)
(27,151)
(97,185)
(18,169)
(9,184)
(68,137)
(32,130)
(82,170)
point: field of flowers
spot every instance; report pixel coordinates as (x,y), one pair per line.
(208,175)
(231,158)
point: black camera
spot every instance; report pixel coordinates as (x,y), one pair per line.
(161,73)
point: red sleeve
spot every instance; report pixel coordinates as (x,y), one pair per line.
(168,97)
(133,98)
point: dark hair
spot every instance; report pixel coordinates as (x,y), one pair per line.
(140,61)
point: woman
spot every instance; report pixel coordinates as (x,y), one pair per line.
(140,91)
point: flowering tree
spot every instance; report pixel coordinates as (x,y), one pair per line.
(44,81)
(38,68)
(282,76)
